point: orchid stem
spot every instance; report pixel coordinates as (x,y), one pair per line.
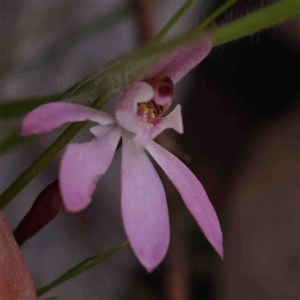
(39,164)
(214,15)
(256,21)
(83,266)
(173,21)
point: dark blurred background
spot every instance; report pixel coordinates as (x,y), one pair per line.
(241,119)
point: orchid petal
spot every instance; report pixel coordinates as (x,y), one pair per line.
(172,121)
(83,164)
(192,192)
(181,61)
(52,115)
(144,206)
(126,109)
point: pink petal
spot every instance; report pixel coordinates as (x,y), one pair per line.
(181,61)
(192,192)
(52,115)
(83,164)
(127,105)
(172,121)
(144,206)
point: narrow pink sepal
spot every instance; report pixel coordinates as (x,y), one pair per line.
(144,206)
(192,193)
(181,61)
(52,115)
(83,164)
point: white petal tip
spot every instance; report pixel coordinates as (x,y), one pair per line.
(220,252)
(96,130)
(150,269)
(151,266)
(175,118)
(217,242)
(151,261)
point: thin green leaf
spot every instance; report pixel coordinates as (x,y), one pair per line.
(174,20)
(40,163)
(256,21)
(215,14)
(80,268)
(13,140)
(105,83)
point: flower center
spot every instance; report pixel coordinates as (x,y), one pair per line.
(152,110)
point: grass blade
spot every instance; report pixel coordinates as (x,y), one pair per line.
(79,268)
(173,20)
(14,140)
(267,17)
(215,14)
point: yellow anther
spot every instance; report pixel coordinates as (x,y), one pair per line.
(153,115)
(145,108)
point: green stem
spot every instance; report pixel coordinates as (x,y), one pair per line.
(78,269)
(14,140)
(40,163)
(256,21)
(214,15)
(173,21)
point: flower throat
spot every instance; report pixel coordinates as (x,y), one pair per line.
(152,110)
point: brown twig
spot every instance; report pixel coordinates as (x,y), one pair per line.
(144,11)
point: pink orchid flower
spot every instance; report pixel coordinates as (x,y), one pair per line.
(138,120)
